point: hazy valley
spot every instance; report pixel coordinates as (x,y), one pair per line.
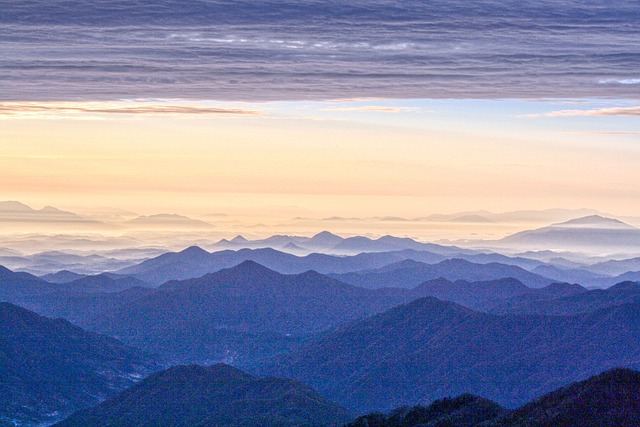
(371,324)
(279,213)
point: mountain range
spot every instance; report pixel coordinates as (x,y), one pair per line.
(616,267)
(77,300)
(410,273)
(168,222)
(328,253)
(15,285)
(576,300)
(329,334)
(326,242)
(373,269)
(590,233)
(16,212)
(405,268)
(195,262)
(224,396)
(250,310)
(389,322)
(219,395)
(43,263)
(430,349)
(523,216)
(50,368)
(487,295)
(17,216)
(203,318)
(62,276)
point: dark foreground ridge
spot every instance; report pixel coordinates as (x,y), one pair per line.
(465,410)
(611,399)
(218,395)
(224,396)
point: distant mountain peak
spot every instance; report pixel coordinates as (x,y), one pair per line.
(194,250)
(51,209)
(251,267)
(591,233)
(458,262)
(164,219)
(219,395)
(324,234)
(326,238)
(393,239)
(228,372)
(239,239)
(564,288)
(595,221)
(165,216)
(405,263)
(220,372)
(312,275)
(625,286)
(12,205)
(472,218)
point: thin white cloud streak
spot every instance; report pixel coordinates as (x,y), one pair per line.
(622,81)
(83,109)
(600,112)
(558,101)
(354,99)
(374,109)
(604,132)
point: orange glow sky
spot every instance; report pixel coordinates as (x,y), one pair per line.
(354,158)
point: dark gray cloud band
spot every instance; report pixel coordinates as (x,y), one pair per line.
(304,50)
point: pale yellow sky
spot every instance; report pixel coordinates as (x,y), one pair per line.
(318,160)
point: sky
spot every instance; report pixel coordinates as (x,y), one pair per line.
(281,109)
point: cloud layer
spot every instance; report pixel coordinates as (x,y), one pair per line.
(310,49)
(597,112)
(56,109)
